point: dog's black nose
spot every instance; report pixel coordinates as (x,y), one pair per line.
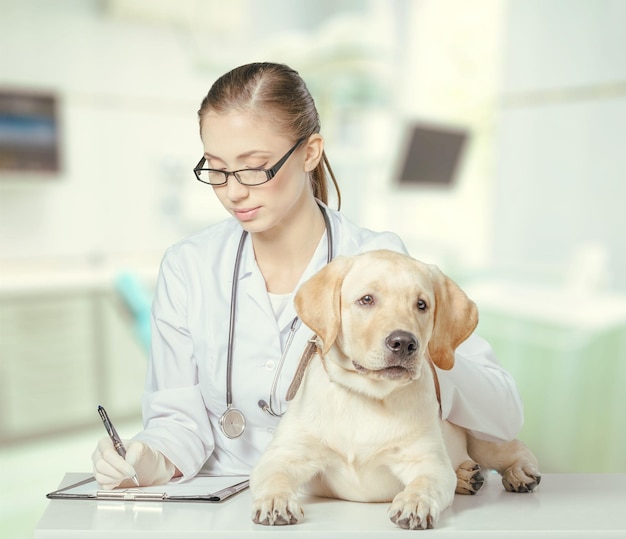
(402,343)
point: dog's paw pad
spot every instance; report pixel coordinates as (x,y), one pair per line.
(469,478)
(521,478)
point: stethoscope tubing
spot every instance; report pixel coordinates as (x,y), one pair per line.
(231,323)
(295,324)
(269,408)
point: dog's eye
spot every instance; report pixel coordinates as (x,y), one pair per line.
(422,305)
(367,300)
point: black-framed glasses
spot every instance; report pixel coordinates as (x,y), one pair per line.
(246,176)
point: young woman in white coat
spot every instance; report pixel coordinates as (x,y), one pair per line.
(225,336)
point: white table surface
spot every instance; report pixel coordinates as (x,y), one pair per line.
(564,506)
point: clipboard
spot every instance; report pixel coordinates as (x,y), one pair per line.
(202,488)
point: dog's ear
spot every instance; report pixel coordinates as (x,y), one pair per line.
(318,301)
(456,316)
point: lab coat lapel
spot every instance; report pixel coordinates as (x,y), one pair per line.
(252,284)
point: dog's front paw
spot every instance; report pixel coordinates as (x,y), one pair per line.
(414,512)
(521,477)
(276,511)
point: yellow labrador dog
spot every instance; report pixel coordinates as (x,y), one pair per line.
(364,424)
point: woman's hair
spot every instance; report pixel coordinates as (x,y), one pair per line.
(278,93)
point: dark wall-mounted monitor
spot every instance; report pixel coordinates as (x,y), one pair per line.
(29,132)
(430,155)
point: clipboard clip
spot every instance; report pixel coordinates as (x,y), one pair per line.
(129,495)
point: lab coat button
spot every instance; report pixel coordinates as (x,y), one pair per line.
(271,430)
(270,364)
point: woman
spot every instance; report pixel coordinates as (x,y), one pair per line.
(223,356)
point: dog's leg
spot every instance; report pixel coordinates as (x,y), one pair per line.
(274,484)
(469,476)
(419,505)
(513,460)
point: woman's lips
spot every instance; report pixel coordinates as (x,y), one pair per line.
(246,214)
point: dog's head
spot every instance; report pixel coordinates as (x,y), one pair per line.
(379,314)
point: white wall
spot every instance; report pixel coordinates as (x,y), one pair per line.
(561,176)
(449,74)
(128,98)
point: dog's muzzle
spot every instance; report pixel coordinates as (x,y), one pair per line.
(400,359)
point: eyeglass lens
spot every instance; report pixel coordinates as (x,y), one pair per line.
(218,177)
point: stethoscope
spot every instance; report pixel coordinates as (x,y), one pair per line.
(233,422)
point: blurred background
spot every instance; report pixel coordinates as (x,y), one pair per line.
(488,134)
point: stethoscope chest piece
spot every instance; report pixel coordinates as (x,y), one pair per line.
(232,423)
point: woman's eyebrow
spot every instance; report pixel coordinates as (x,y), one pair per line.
(244,155)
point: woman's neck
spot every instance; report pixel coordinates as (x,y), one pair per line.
(284,252)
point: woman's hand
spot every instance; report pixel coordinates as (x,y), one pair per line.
(111,470)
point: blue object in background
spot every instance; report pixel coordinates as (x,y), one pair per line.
(138,300)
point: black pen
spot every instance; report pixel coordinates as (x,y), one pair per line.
(117,442)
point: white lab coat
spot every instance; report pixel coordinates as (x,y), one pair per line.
(185,392)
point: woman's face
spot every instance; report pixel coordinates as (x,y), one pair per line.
(236,140)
